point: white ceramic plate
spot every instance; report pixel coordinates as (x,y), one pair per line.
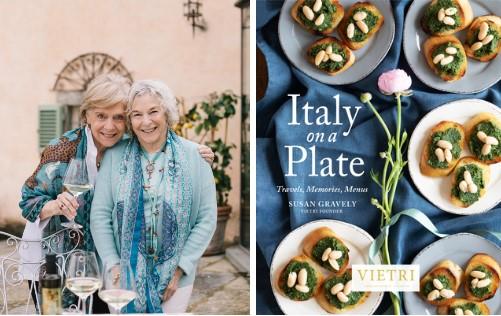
(295,40)
(355,238)
(479,76)
(437,190)
(458,248)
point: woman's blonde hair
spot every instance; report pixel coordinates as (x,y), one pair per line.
(159,90)
(104,91)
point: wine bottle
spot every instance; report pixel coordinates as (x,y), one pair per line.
(51,287)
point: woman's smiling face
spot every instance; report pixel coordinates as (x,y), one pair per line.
(107,125)
(148,121)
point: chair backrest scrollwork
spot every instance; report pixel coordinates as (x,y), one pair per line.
(15,268)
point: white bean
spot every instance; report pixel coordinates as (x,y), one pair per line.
(359,16)
(363,27)
(487,39)
(491,140)
(342,297)
(477,274)
(320,20)
(447,60)
(337,288)
(438,58)
(291,280)
(437,284)
(483,283)
(308,13)
(476,46)
(486,149)
(433,295)
(326,253)
(302,277)
(446,293)
(448,21)
(320,57)
(317,6)
(350,30)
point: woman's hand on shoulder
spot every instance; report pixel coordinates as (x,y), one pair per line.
(206,153)
(173,285)
(65,205)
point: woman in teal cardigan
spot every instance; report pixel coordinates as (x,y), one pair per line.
(155,203)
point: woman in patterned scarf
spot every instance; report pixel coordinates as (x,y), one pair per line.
(43,202)
(155,203)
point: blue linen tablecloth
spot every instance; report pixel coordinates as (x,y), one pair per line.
(274,220)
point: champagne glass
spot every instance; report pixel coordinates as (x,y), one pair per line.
(76,181)
(119,286)
(83,277)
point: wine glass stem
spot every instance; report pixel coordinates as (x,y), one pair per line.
(84,300)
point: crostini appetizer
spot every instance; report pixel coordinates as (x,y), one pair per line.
(326,249)
(442,149)
(481,277)
(460,306)
(446,57)
(336,296)
(446,17)
(469,181)
(318,16)
(360,23)
(483,38)
(299,280)
(483,135)
(330,55)
(439,285)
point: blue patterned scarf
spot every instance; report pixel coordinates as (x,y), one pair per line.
(153,274)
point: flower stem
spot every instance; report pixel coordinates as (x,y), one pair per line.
(380,119)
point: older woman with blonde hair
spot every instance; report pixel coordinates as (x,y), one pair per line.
(44,203)
(155,203)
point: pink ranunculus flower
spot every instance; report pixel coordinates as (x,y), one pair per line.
(394,81)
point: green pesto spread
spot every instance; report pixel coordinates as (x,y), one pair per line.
(452,68)
(428,286)
(480,292)
(334,244)
(451,135)
(370,20)
(329,65)
(328,9)
(476,172)
(485,49)
(476,144)
(311,282)
(467,306)
(353,297)
(430,18)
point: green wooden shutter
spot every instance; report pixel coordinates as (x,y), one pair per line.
(50,123)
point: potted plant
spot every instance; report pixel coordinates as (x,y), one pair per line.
(205,119)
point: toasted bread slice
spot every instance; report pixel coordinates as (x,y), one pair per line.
(281,279)
(462,18)
(490,50)
(322,294)
(472,139)
(444,269)
(455,184)
(435,44)
(313,238)
(464,305)
(336,17)
(338,48)
(489,264)
(424,164)
(372,13)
